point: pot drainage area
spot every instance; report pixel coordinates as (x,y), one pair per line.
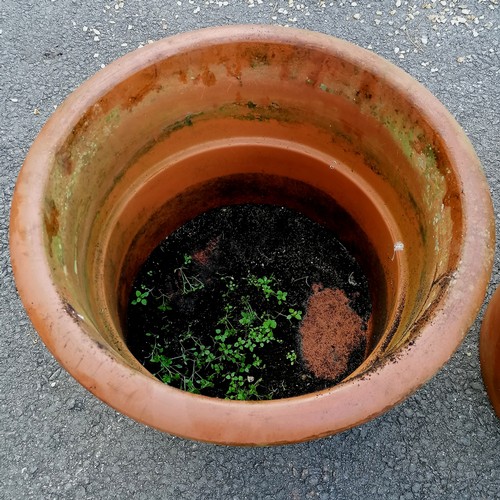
(250,301)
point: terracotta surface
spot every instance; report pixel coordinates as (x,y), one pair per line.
(489,350)
(263,114)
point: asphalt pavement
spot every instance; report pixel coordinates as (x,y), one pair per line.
(57,441)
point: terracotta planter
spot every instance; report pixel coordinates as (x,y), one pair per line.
(489,350)
(263,114)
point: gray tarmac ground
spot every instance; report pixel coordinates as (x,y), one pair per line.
(59,442)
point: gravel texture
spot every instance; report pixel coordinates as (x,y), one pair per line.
(57,441)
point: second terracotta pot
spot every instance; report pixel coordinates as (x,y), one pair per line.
(489,350)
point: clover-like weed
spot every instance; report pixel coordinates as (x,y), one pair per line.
(141,296)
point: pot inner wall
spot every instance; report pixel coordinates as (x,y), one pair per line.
(256,172)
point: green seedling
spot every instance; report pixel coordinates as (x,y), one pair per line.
(165,303)
(292,357)
(292,313)
(189,284)
(281,296)
(263,284)
(141,297)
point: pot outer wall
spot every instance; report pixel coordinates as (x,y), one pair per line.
(127,158)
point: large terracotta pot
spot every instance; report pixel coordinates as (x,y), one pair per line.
(262,114)
(489,351)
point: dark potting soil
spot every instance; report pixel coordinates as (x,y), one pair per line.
(250,302)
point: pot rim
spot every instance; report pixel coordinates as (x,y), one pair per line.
(268,422)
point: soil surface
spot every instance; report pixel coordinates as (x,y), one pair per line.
(249,283)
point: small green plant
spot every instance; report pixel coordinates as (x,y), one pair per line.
(264,284)
(174,369)
(165,304)
(292,357)
(281,296)
(292,313)
(189,284)
(141,296)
